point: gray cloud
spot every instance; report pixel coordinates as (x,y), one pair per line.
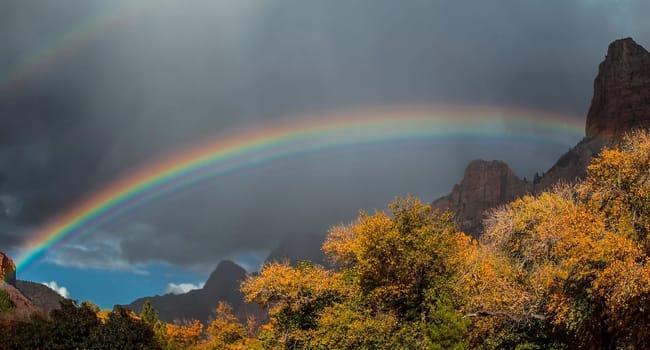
(100,250)
(178,72)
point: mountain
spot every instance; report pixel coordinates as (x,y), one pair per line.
(222,285)
(41,295)
(620,103)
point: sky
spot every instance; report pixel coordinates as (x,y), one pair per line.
(91,90)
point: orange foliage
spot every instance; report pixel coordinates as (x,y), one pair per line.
(184,335)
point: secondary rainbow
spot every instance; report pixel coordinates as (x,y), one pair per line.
(269,142)
(111,16)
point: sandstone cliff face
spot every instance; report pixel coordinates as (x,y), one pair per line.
(621,98)
(7,270)
(486,184)
(572,165)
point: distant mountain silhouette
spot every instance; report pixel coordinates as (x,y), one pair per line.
(222,285)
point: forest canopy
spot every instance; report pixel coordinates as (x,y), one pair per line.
(567,268)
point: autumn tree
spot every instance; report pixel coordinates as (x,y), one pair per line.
(226,331)
(294,297)
(401,266)
(618,186)
(183,334)
(572,261)
(392,287)
(514,276)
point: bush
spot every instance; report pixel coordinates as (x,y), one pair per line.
(6,303)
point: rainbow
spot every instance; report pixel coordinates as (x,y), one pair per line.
(113,15)
(293,137)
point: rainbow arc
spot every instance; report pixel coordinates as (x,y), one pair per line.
(301,136)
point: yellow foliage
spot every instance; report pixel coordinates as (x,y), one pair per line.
(280,284)
(183,335)
(225,331)
(576,256)
(103,315)
(396,256)
(294,297)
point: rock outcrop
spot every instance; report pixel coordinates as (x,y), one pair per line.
(7,270)
(41,295)
(486,184)
(572,166)
(621,100)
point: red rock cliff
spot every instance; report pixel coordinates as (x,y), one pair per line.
(486,184)
(621,100)
(7,269)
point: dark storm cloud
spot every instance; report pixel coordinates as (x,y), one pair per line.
(178,72)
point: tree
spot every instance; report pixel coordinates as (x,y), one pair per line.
(518,276)
(393,286)
(573,262)
(402,264)
(124,330)
(225,331)
(33,333)
(294,298)
(72,325)
(148,314)
(183,335)
(618,187)
(618,184)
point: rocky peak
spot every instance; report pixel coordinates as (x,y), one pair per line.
(486,184)
(226,276)
(7,269)
(621,99)
(222,285)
